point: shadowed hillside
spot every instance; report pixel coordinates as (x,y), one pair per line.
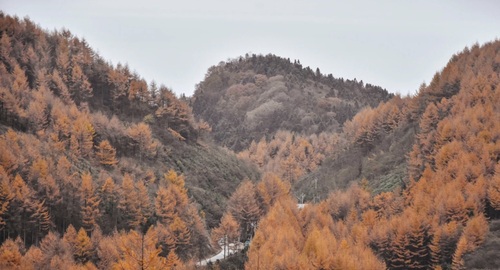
(391,143)
(486,257)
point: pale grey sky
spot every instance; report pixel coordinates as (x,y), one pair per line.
(395,44)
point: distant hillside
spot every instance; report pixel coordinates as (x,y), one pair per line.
(252,97)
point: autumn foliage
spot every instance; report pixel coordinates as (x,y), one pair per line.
(71,126)
(451,191)
(88,177)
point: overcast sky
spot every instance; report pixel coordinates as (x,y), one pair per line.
(395,44)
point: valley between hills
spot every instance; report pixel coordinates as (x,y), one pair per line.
(100,169)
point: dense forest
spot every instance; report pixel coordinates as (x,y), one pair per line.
(450,191)
(95,160)
(408,184)
(100,169)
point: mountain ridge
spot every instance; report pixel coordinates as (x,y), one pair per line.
(252,97)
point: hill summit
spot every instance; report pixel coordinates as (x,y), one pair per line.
(251,97)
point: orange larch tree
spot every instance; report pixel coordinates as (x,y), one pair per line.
(270,189)
(128,205)
(89,203)
(244,207)
(143,142)
(83,247)
(108,196)
(165,205)
(106,154)
(138,251)
(228,231)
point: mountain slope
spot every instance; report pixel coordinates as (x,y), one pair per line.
(379,140)
(254,96)
(451,194)
(85,144)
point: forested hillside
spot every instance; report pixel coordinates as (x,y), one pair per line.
(253,97)
(101,170)
(376,143)
(98,167)
(450,191)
